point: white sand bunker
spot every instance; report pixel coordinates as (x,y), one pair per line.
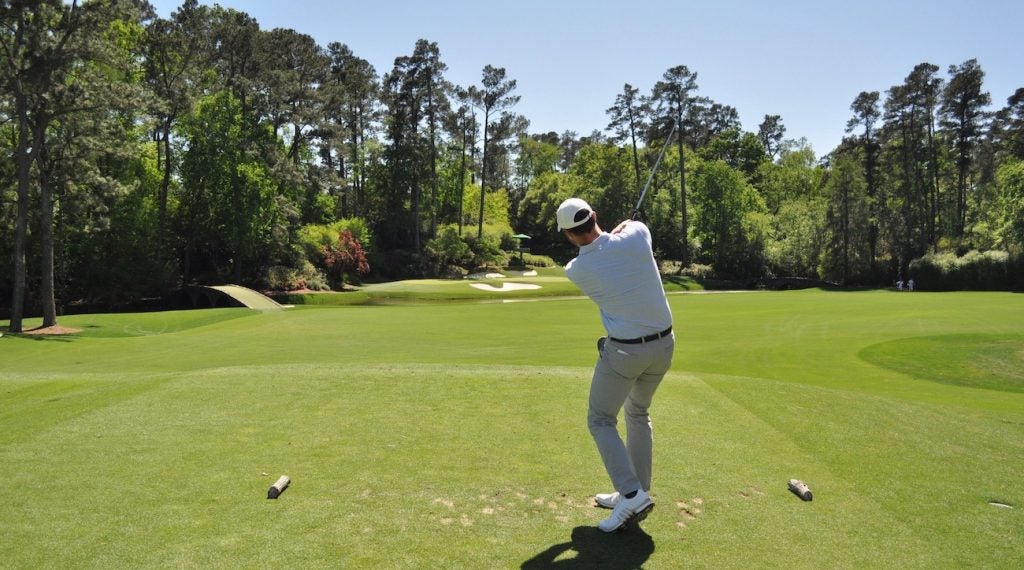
(504,286)
(489,275)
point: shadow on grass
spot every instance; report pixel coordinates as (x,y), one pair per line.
(596,549)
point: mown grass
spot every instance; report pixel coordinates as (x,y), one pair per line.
(453,435)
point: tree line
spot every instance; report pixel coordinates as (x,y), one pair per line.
(143,153)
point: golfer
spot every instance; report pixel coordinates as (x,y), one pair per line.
(618,272)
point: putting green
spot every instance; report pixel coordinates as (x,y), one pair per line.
(990,361)
(504,286)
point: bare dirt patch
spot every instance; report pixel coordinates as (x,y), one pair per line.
(54,330)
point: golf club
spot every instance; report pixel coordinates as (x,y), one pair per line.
(657,163)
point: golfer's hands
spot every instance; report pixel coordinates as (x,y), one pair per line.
(621,226)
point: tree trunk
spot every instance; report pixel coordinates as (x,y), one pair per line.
(23,162)
(357,163)
(961,194)
(353,162)
(48,298)
(414,175)
(433,160)
(685,226)
(869,158)
(462,176)
(416,213)
(483,180)
(636,154)
(165,185)
(933,171)
(846,231)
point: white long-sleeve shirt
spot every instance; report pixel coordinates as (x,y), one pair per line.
(619,273)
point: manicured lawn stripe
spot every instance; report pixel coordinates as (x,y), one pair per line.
(453,435)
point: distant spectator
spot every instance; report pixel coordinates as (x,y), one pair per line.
(899,285)
(910,285)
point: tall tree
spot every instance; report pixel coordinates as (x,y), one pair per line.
(537,155)
(463,129)
(417,94)
(731,221)
(228,194)
(493,99)
(707,119)
(403,156)
(430,75)
(771,131)
(925,87)
(673,96)
(791,187)
(905,154)
(61,60)
(629,121)
(353,95)
(963,115)
(25,29)
(740,150)
(292,69)
(235,37)
(288,80)
(866,112)
(175,59)
(1010,120)
(847,222)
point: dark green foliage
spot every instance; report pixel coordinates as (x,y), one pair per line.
(449,249)
(846,258)
(146,153)
(974,271)
(731,221)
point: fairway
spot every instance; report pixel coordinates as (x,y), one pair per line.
(453,435)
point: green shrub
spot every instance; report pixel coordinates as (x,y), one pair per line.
(449,249)
(974,271)
(698,271)
(344,260)
(283,278)
(338,250)
(487,251)
(313,238)
(534,260)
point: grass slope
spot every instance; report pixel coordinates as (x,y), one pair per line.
(440,435)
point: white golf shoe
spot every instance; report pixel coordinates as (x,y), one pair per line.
(607,500)
(627,512)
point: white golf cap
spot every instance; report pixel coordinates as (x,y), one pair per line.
(573,212)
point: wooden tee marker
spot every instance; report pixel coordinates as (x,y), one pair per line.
(277,488)
(800,489)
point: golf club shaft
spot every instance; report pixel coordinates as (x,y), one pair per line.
(657,163)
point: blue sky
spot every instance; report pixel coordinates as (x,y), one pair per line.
(804,60)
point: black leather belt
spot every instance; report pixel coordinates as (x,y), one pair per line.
(644,339)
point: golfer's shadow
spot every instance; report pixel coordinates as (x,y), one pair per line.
(595,548)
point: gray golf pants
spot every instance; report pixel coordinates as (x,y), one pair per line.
(626,376)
